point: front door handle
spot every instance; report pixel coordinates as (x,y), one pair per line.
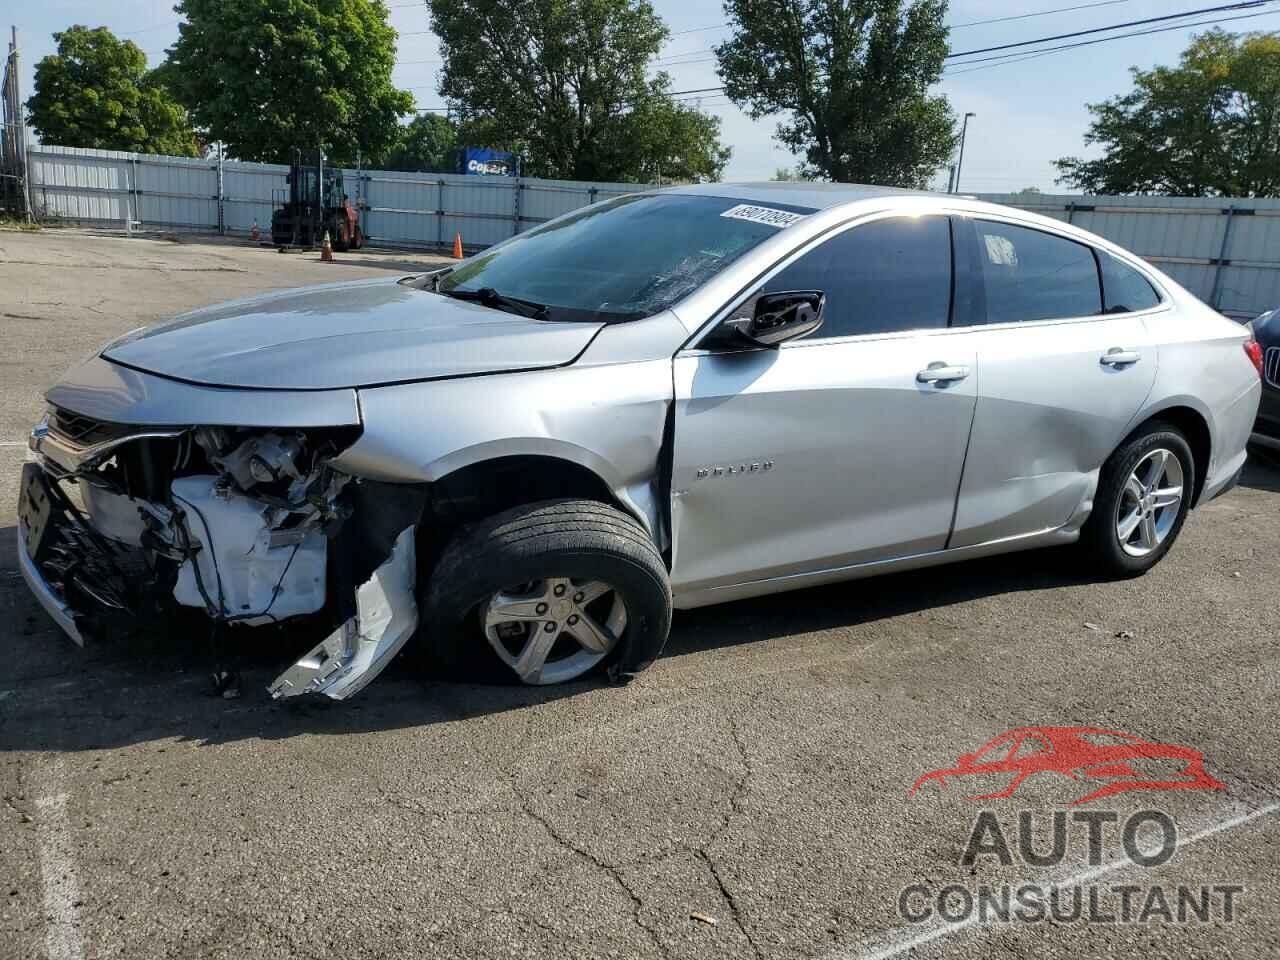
(1118,357)
(942,373)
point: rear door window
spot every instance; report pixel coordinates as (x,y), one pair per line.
(882,277)
(1124,289)
(1032,275)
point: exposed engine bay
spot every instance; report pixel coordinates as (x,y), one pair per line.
(124,526)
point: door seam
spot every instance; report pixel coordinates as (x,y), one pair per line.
(964,461)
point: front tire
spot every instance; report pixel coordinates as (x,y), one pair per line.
(546,593)
(1144,493)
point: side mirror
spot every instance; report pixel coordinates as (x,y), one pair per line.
(777,318)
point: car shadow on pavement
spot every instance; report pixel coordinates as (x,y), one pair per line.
(55,696)
(1262,472)
(857,602)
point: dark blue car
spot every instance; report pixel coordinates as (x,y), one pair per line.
(1266,330)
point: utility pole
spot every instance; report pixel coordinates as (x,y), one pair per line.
(13,165)
(964,132)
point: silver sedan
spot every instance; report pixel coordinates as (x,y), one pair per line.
(523,463)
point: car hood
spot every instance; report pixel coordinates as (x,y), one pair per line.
(353,334)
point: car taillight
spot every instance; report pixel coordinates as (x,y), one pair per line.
(1254,349)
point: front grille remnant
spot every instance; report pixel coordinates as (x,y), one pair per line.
(84,431)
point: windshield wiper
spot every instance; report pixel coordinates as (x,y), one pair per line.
(489,297)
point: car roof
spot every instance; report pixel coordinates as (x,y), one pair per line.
(802,193)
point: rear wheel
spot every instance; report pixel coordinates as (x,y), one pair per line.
(546,593)
(1144,493)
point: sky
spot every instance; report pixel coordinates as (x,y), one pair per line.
(1028,113)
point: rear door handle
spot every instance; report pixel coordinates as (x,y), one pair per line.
(1117,357)
(942,373)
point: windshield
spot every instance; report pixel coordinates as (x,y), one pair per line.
(622,259)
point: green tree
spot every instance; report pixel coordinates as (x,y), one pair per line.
(96,92)
(426,144)
(1209,126)
(853,79)
(563,83)
(791,174)
(661,140)
(265,76)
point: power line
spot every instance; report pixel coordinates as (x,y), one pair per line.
(1239,5)
(955,26)
(680,33)
(1042,13)
(1246,5)
(1122,36)
(1014,58)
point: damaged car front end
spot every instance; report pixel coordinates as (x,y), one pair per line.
(124,521)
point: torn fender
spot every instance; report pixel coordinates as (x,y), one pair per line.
(358,650)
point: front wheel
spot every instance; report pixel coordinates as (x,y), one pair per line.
(1144,493)
(546,593)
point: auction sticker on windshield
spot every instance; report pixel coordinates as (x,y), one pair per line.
(767,215)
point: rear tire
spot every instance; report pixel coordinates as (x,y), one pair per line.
(557,551)
(1134,523)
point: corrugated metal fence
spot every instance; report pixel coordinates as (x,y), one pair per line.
(141,191)
(1226,251)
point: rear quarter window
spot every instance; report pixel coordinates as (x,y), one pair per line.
(1124,289)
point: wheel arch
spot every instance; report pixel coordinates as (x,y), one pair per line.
(541,469)
(1193,422)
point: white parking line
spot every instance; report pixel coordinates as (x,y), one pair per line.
(13,443)
(905,939)
(58,877)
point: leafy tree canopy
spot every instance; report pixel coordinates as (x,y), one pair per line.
(563,83)
(265,76)
(1209,126)
(426,144)
(96,92)
(851,77)
(791,174)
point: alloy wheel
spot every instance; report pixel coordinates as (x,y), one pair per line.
(1150,502)
(554,630)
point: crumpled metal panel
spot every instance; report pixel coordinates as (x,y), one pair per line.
(344,662)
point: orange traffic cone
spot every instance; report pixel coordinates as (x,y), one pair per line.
(326,249)
(254,233)
(457,246)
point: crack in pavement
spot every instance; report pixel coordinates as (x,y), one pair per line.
(614,870)
(637,903)
(735,807)
(734,910)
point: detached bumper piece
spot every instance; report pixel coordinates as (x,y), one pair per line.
(357,651)
(33,516)
(84,582)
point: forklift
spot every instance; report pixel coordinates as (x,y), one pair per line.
(313,203)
